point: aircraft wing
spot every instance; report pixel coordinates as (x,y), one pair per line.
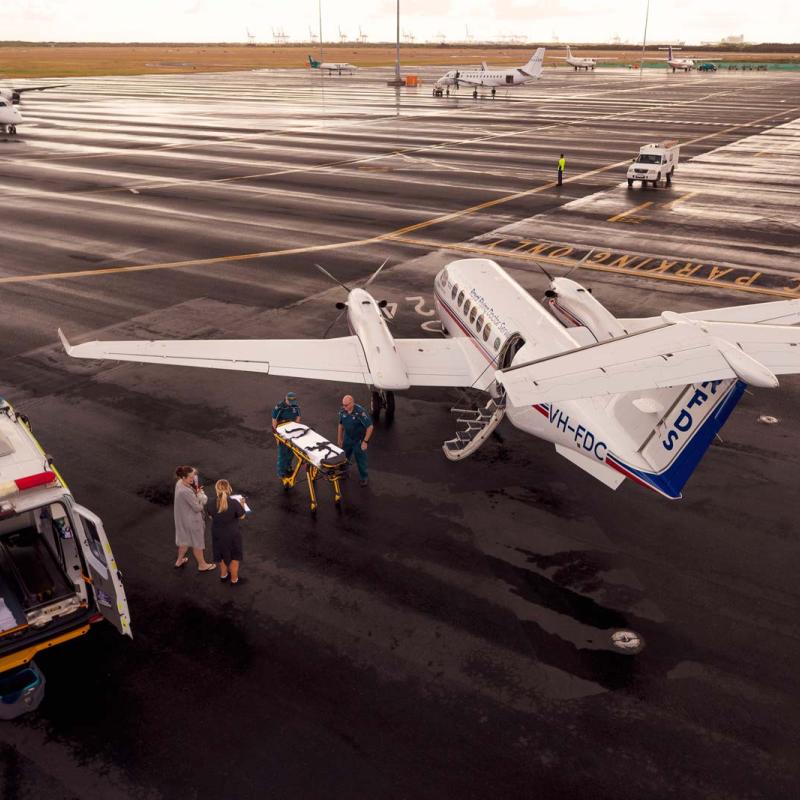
(324,359)
(20,89)
(444,362)
(677,354)
(778,312)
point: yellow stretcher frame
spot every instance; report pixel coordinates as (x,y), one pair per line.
(313,472)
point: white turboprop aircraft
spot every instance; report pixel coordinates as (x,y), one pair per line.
(10,98)
(332,66)
(635,398)
(581,62)
(487,77)
(686,64)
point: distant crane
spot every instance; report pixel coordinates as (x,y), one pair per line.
(468,37)
(312,37)
(342,37)
(279,37)
(251,38)
(362,37)
(441,38)
(408,37)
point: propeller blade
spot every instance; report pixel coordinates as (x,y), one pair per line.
(375,274)
(335,320)
(332,277)
(547,274)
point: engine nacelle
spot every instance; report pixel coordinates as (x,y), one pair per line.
(573,305)
(367,323)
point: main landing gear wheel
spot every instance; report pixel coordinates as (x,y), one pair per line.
(494,91)
(382,401)
(475,94)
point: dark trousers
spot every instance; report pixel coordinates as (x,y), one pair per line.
(353,452)
(560,176)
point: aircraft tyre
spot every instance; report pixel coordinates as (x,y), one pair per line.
(630,183)
(669,176)
(375,406)
(475,94)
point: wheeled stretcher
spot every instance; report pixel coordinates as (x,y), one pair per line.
(321,458)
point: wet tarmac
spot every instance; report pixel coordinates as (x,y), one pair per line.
(449,633)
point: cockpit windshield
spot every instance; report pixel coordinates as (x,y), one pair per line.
(648,158)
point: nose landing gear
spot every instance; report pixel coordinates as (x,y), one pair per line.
(11,130)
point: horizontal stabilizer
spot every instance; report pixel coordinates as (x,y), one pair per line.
(597,469)
(683,352)
(778,312)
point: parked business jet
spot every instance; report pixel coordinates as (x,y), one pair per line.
(486,77)
(331,66)
(619,398)
(10,98)
(581,62)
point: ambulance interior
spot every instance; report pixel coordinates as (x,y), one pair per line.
(41,575)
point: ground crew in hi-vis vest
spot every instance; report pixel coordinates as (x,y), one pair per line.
(287,410)
(562,165)
(354,433)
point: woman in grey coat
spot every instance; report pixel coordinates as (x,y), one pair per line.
(190,524)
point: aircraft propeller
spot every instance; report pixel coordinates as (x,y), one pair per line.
(343,306)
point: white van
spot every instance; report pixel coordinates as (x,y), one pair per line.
(655,162)
(57,571)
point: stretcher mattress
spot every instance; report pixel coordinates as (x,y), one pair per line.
(315,448)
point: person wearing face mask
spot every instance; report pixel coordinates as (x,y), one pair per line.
(190,526)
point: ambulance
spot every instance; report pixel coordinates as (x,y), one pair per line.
(58,575)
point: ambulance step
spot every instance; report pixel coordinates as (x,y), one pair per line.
(478,425)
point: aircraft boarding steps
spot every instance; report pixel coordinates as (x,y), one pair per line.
(479,422)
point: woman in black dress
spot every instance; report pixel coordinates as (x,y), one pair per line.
(226,537)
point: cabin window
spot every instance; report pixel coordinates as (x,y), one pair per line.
(497,343)
(455,291)
(467,307)
(486,332)
(460,298)
(479,323)
(473,314)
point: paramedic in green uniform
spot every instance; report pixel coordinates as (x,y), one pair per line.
(355,431)
(286,410)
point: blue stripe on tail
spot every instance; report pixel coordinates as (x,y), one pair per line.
(671,481)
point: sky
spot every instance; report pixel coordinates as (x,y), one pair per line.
(536,20)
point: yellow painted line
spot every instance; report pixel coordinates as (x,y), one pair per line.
(432,222)
(487,250)
(680,199)
(618,217)
(196,262)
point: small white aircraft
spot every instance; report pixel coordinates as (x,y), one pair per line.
(581,62)
(331,66)
(685,64)
(635,398)
(10,98)
(491,78)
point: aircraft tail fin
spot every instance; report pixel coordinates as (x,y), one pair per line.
(674,444)
(533,69)
(313,63)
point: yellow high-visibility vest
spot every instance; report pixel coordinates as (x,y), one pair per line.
(562,164)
